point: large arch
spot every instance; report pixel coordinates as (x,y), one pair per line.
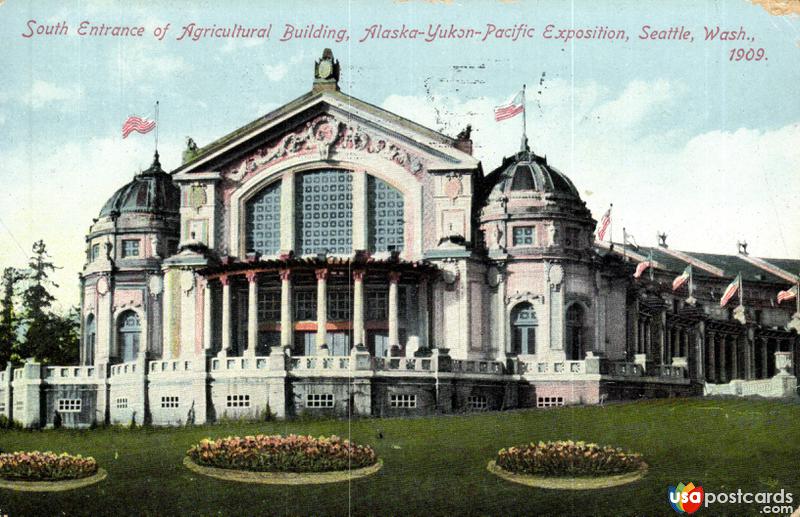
(89,339)
(130,332)
(523,329)
(575,344)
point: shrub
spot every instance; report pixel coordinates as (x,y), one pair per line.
(45,466)
(277,453)
(568,459)
(7,423)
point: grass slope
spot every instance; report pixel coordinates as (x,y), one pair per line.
(437,466)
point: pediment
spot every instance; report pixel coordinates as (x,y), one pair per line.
(328,126)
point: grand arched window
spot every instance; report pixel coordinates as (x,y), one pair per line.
(523,329)
(89,340)
(264,221)
(324,212)
(385,216)
(576,347)
(128,335)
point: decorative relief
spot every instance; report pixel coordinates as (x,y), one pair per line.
(453,187)
(155,285)
(102,286)
(187,281)
(197,196)
(555,275)
(524,296)
(323,135)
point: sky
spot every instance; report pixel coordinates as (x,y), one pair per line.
(676,135)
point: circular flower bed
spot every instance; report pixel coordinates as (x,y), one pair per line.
(281,459)
(568,465)
(47,471)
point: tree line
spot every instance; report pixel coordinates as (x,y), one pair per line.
(29,326)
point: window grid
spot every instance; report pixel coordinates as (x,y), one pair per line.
(377,305)
(169,402)
(122,403)
(69,405)
(524,235)
(385,216)
(238,401)
(477,403)
(549,401)
(264,221)
(403,401)
(324,210)
(95,252)
(319,400)
(269,305)
(305,305)
(130,248)
(339,307)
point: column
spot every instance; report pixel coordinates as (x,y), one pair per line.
(734,340)
(711,354)
(208,330)
(286,308)
(423,317)
(502,319)
(322,308)
(287,213)
(662,340)
(226,315)
(700,356)
(358,308)
(360,224)
(764,358)
(394,332)
(747,370)
(723,359)
(252,314)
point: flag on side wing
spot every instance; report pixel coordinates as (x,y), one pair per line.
(788,294)
(605,222)
(682,278)
(731,290)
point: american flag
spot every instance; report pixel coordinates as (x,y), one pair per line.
(605,222)
(787,295)
(731,290)
(682,278)
(511,109)
(138,124)
(641,267)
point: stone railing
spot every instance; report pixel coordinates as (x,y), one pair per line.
(169,366)
(68,373)
(476,366)
(667,371)
(322,362)
(406,364)
(552,367)
(222,364)
(124,369)
(621,369)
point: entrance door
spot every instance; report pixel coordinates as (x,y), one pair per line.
(380,344)
(339,343)
(523,326)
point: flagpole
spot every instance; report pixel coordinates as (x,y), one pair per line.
(741,294)
(797,296)
(624,242)
(610,225)
(524,123)
(156,127)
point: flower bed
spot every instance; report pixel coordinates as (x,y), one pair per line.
(568,459)
(45,466)
(277,453)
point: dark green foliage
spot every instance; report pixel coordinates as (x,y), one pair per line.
(9,319)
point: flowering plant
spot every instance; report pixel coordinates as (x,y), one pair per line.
(567,458)
(45,466)
(277,453)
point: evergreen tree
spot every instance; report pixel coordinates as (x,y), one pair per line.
(8,316)
(36,304)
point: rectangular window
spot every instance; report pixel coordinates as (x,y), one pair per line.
(403,401)
(122,403)
(318,400)
(69,405)
(238,401)
(305,305)
(269,306)
(324,212)
(477,403)
(549,401)
(169,402)
(524,235)
(377,305)
(339,308)
(95,252)
(130,248)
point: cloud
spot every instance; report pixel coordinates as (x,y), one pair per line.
(43,93)
(635,149)
(276,72)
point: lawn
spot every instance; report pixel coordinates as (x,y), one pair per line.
(437,466)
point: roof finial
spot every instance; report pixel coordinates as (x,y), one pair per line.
(326,73)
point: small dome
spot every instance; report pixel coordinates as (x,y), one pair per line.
(151,191)
(526,171)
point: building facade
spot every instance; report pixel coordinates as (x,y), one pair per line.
(334,258)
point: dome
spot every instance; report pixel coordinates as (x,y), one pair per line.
(526,171)
(151,191)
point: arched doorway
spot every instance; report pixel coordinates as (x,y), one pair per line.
(575,345)
(89,340)
(523,329)
(129,336)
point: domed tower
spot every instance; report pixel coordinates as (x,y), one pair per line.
(121,283)
(539,236)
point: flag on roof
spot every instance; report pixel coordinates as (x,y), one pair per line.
(512,108)
(682,278)
(788,294)
(138,124)
(605,222)
(731,290)
(641,267)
